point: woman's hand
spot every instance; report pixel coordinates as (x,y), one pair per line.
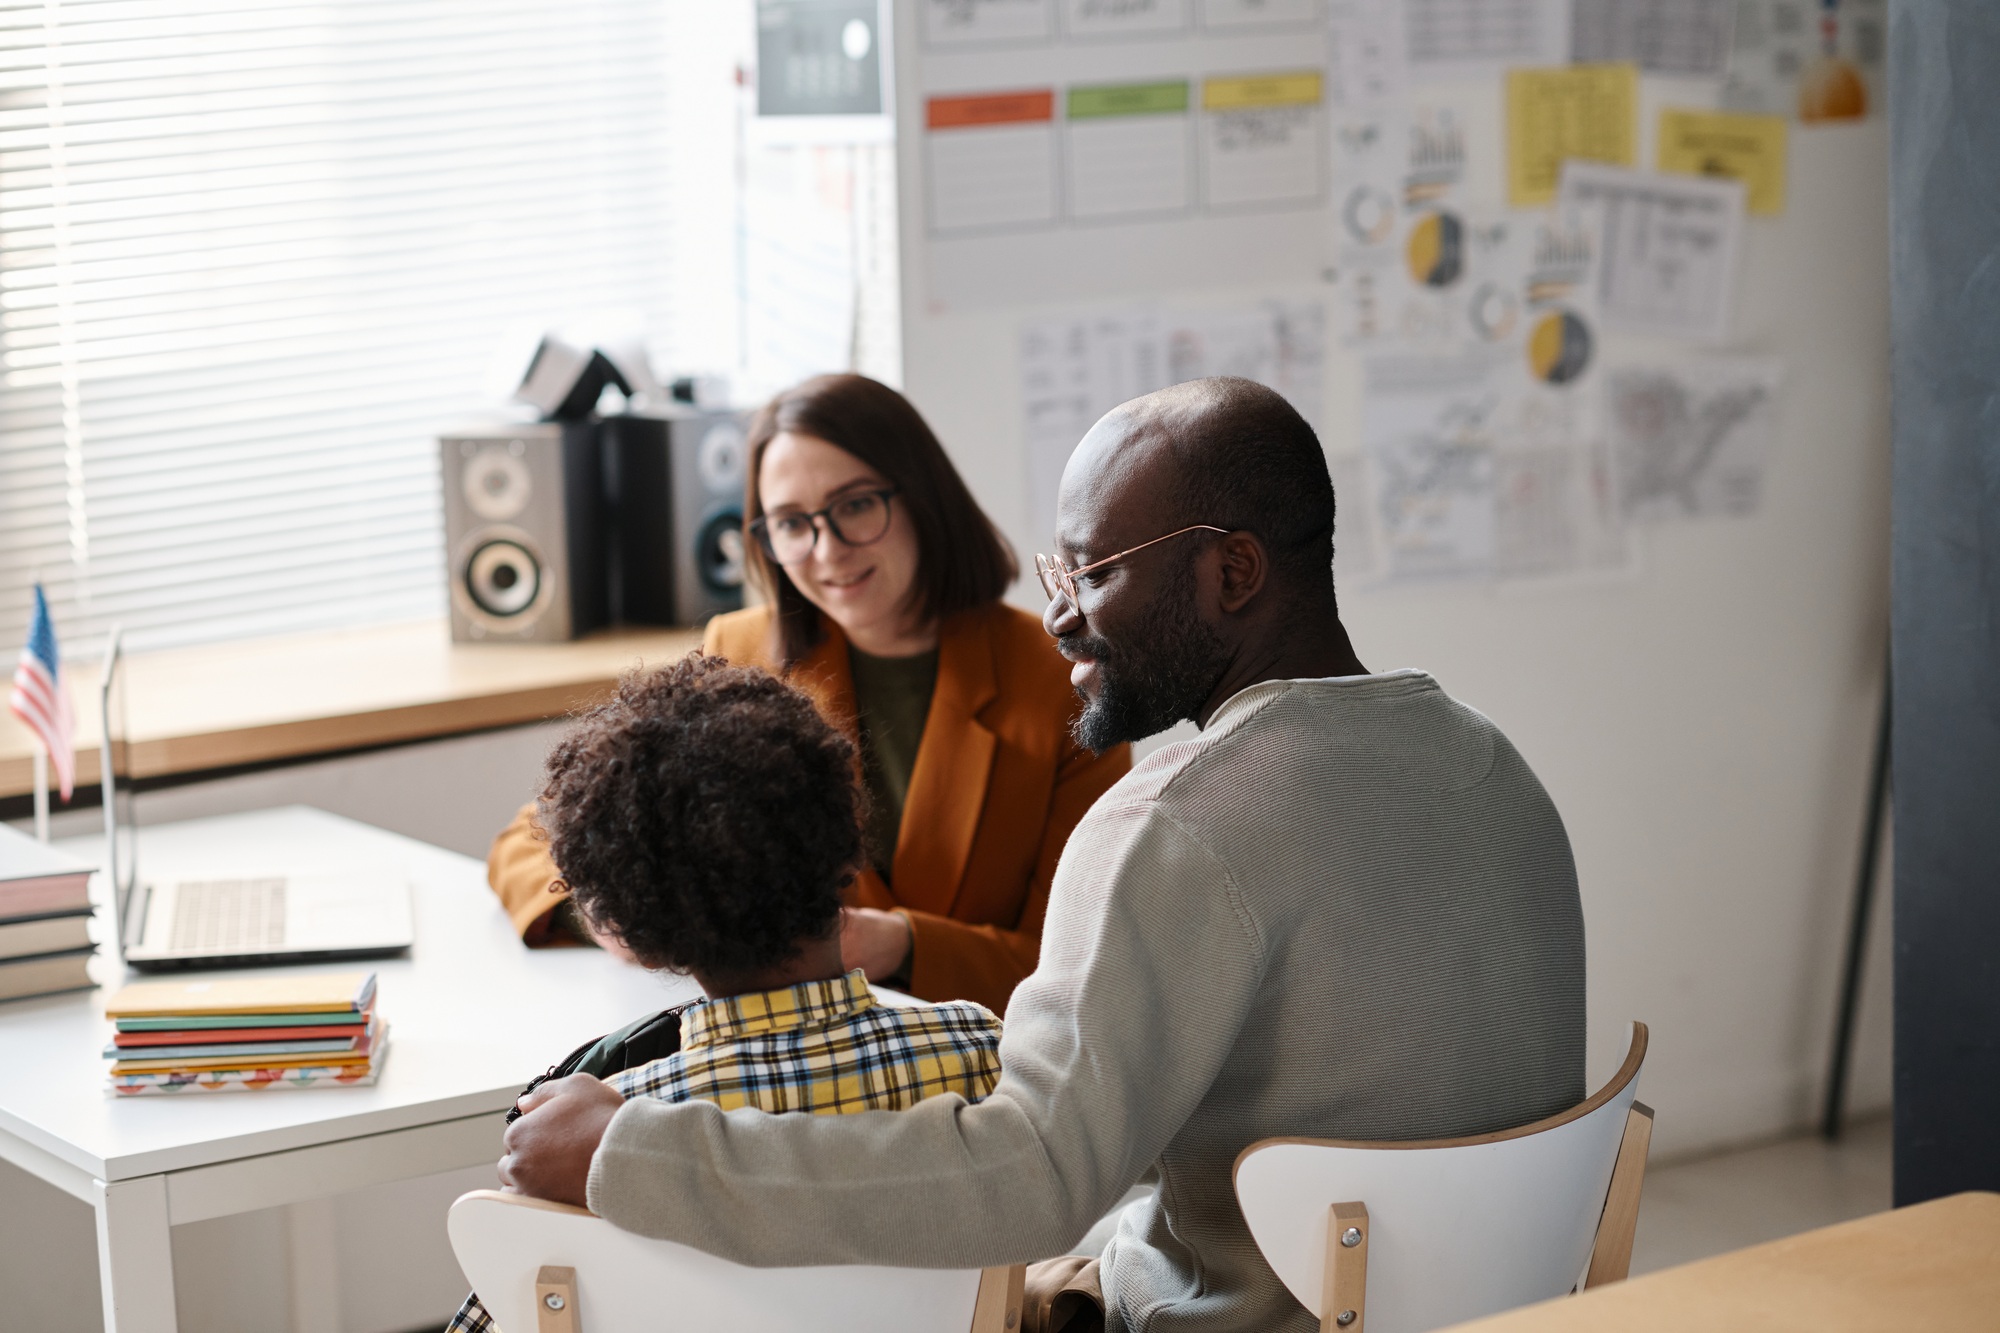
(549,1148)
(877,942)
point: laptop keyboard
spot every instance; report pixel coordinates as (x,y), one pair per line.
(229,914)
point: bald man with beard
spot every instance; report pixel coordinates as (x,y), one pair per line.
(1347,909)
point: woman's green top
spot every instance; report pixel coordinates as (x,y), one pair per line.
(892,698)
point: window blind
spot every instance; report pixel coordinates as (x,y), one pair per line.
(255,254)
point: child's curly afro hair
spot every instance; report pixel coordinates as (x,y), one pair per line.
(706,815)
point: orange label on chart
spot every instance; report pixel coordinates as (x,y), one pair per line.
(961,113)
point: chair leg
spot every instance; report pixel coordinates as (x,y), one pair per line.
(555,1301)
(1611,1254)
(1343,1306)
(998,1306)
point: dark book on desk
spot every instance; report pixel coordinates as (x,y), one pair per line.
(37,879)
(45,974)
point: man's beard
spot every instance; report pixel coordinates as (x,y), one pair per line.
(1164,672)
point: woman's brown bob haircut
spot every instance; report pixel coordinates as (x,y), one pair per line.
(962,560)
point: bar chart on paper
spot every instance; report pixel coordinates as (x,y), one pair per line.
(1100,147)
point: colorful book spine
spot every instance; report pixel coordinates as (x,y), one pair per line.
(246,1080)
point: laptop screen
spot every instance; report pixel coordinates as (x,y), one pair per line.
(121,823)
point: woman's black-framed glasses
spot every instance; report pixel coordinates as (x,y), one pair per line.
(859,518)
(1059,580)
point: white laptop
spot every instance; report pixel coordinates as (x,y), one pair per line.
(283,915)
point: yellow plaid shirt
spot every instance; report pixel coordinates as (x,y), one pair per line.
(824,1048)
(821,1047)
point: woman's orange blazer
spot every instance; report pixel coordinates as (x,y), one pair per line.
(998,785)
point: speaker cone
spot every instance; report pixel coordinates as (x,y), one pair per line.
(503,577)
(719,552)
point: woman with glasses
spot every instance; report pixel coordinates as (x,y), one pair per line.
(882,584)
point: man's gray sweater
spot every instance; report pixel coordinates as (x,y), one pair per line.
(1347,909)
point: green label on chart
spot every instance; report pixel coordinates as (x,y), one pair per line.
(1128,99)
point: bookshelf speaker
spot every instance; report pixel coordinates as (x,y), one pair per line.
(676,488)
(525,532)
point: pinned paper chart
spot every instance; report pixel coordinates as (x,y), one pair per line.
(1131,149)
(992,159)
(1123,18)
(1689,37)
(1718,143)
(973,23)
(1457,38)
(1261,138)
(1087,149)
(1669,248)
(1585,112)
(1233,14)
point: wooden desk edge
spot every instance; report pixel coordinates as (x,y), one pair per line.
(1662,1299)
(447,713)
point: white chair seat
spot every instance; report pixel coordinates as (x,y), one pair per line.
(1456,1228)
(627,1282)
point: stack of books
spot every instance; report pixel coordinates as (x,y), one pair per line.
(44,918)
(241,1034)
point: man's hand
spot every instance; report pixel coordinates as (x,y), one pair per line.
(877,942)
(549,1148)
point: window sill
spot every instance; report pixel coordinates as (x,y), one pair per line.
(191,710)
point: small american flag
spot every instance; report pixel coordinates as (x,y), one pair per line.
(39,699)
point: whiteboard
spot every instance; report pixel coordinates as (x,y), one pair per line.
(1704,720)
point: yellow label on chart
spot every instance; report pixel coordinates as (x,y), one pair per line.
(1582,111)
(1251,92)
(1720,143)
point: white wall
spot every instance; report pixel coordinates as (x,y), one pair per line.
(1705,726)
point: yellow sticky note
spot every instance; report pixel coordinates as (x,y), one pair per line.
(1586,111)
(1720,143)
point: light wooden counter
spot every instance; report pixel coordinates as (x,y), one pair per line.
(190,710)
(1930,1268)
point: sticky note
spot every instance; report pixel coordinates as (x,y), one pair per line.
(1582,111)
(1720,143)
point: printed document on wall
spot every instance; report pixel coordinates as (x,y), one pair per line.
(1742,147)
(1427,426)
(971,24)
(1556,116)
(1689,440)
(1667,249)
(1087,149)
(1365,61)
(1076,368)
(1459,39)
(1819,60)
(1685,37)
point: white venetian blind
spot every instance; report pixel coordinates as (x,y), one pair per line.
(254,254)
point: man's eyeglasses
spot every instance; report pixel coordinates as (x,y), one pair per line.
(858,519)
(1059,580)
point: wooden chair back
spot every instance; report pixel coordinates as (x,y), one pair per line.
(1401,1237)
(548,1268)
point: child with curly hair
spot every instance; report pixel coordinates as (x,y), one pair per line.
(707,819)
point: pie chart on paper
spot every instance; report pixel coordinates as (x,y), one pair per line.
(1436,249)
(1558,347)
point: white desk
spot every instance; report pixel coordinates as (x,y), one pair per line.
(472,1014)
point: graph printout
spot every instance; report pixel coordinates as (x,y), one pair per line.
(1667,249)
(1454,39)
